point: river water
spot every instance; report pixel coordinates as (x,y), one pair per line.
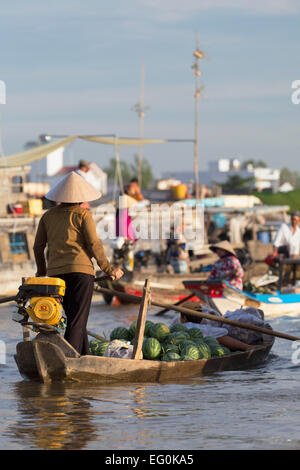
(254,409)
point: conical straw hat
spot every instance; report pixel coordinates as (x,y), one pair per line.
(73,188)
(224,245)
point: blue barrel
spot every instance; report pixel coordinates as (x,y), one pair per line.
(263,237)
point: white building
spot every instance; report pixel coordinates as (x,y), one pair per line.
(220,170)
(286,187)
(48,166)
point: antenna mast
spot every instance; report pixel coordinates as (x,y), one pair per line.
(140,109)
(198,54)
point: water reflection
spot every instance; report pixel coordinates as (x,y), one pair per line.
(51,417)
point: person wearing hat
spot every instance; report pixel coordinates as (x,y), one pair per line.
(227,267)
(83,167)
(83,170)
(287,239)
(69,233)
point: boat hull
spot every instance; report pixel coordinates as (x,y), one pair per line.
(49,358)
(226,297)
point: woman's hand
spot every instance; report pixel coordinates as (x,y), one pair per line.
(117,274)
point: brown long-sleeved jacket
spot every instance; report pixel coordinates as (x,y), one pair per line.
(69,232)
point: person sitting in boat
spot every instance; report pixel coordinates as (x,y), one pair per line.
(133,190)
(227,267)
(68,231)
(177,256)
(287,239)
(125,229)
(210,328)
(124,223)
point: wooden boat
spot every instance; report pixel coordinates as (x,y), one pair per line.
(227,297)
(165,287)
(49,357)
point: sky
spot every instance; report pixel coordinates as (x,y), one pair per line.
(73,67)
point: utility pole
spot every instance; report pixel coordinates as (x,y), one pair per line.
(140,109)
(198,54)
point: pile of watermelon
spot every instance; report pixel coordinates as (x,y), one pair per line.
(177,343)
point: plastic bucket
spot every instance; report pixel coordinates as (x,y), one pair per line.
(179,191)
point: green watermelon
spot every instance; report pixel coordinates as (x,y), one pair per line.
(132,328)
(120,333)
(178,327)
(226,350)
(160,331)
(185,342)
(177,336)
(151,348)
(198,341)
(186,358)
(148,326)
(211,341)
(217,351)
(102,348)
(169,348)
(98,347)
(93,344)
(195,333)
(204,351)
(190,351)
(171,356)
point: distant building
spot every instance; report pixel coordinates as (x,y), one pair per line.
(48,166)
(12,190)
(220,170)
(286,187)
(50,169)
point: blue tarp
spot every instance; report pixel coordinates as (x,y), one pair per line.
(207,202)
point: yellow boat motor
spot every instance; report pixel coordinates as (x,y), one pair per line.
(40,298)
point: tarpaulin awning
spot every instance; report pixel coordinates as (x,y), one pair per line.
(122,140)
(36,153)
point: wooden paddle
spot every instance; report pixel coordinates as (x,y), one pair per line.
(216,318)
(140,326)
(94,335)
(141,321)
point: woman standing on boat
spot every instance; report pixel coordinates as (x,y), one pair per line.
(227,268)
(69,233)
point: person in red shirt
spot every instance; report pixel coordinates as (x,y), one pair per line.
(228,267)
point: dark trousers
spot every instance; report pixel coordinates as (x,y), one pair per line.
(77,303)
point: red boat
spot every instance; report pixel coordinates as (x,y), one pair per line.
(167,288)
(204,287)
